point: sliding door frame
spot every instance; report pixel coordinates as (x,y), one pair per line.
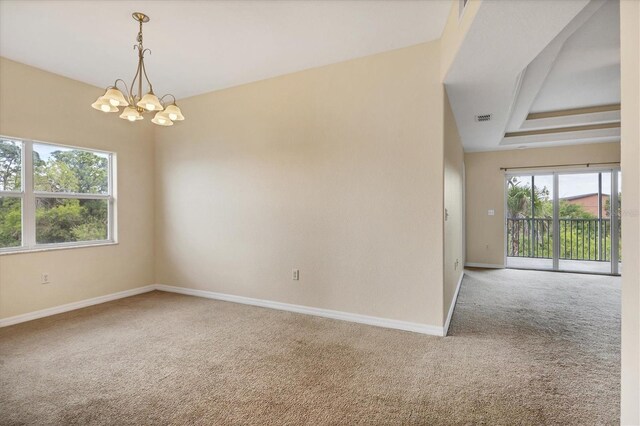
(556,173)
(556,222)
(613,213)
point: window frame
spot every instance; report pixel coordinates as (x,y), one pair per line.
(28,195)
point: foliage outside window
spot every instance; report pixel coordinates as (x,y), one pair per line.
(62,196)
(530,215)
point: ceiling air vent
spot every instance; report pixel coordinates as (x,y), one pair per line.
(483,117)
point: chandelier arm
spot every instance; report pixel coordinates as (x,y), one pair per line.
(168,94)
(144,70)
(133,83)
(125,87)
(139,75)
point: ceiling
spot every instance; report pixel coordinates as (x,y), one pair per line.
(548,72)
(586,73)
(200,46)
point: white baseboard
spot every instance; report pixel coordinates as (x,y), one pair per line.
(74,305)
(483,265)
(307,310)
(453,304)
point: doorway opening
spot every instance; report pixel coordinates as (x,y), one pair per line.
(564,221)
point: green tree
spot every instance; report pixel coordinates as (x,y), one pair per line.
(10,180)
(10,165)
(57,219)
(607,205)
(574,211)
(66,220)
(90,170)
(519,200)
(10,222)
(61,220)
(55,176)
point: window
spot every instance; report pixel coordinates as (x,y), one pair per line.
(54,196)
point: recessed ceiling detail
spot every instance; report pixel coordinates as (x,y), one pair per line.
(578,98)
(563,130)
(586,73)
(549,71)
(581,125)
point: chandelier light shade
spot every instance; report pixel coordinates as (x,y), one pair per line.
(174,112)
(103,104)
(116,98)
(150,102)
(135,101)
(161,119)
(131,114)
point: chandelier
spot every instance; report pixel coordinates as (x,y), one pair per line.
(135,103)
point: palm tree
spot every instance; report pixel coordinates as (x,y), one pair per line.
(519,204)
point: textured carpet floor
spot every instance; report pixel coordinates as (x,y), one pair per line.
(525,348)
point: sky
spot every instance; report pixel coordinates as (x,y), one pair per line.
(45,150)
(573,184)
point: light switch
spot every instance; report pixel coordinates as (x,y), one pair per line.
(491,212)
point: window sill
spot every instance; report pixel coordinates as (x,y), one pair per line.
(54,247)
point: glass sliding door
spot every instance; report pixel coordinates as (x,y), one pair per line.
(584,222)
(529,227)
(564,221)
(543,220)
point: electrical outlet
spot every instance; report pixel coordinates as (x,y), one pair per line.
(455,267)
(295,275)
(45,278)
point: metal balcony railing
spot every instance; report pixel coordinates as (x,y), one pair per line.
(580,239)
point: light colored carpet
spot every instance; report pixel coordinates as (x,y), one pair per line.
(525,348)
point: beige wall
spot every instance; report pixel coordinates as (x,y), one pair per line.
(35,104)
(630,62)
(485,190)
(453,203)
(336,171)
